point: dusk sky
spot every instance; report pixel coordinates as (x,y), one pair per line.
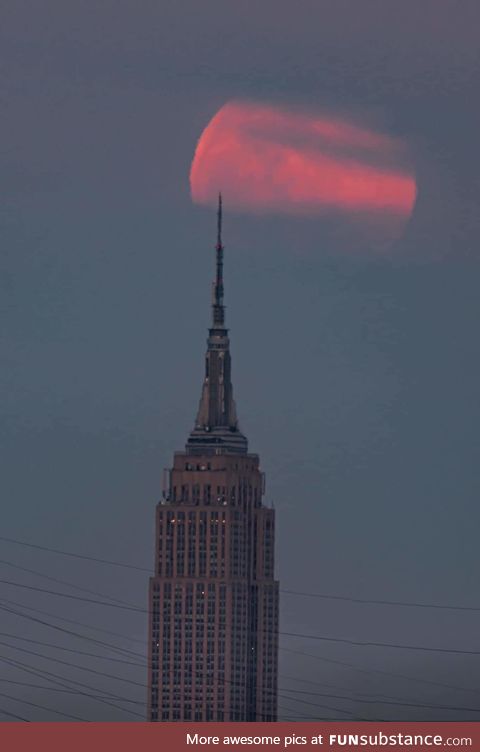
(356,360)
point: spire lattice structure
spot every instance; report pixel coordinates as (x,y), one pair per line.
(217,303)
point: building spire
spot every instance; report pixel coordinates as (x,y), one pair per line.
(216,426)
(218,312)
(219,221)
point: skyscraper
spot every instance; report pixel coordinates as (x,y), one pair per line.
(213,601)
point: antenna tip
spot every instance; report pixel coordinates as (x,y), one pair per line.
(219,222)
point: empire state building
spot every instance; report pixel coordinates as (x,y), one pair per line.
(213,600)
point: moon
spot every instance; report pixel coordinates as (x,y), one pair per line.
(272,160)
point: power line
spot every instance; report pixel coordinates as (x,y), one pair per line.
(72,650)
(323,707)
(47,674)
(317,657)
(362,643)
(79,624)
(73,665)
(90,696)
(310,693)
(324,638)
(349,665)
(123,604)
(84,668)
(72,597)
(384,702)
(381,602)
(338,710)
(354,693)
(66,691)
(326,596)
(42,707)
(14,715)
(379,671)
(74,555)
(113,648)
(81,589)
(60,680)
(73,691)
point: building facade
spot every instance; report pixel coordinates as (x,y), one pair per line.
(213,601)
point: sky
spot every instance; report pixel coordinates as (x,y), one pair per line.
(355,372)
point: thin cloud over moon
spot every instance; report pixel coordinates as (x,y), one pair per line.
(269,159)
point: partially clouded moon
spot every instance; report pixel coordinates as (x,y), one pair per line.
(268,159)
